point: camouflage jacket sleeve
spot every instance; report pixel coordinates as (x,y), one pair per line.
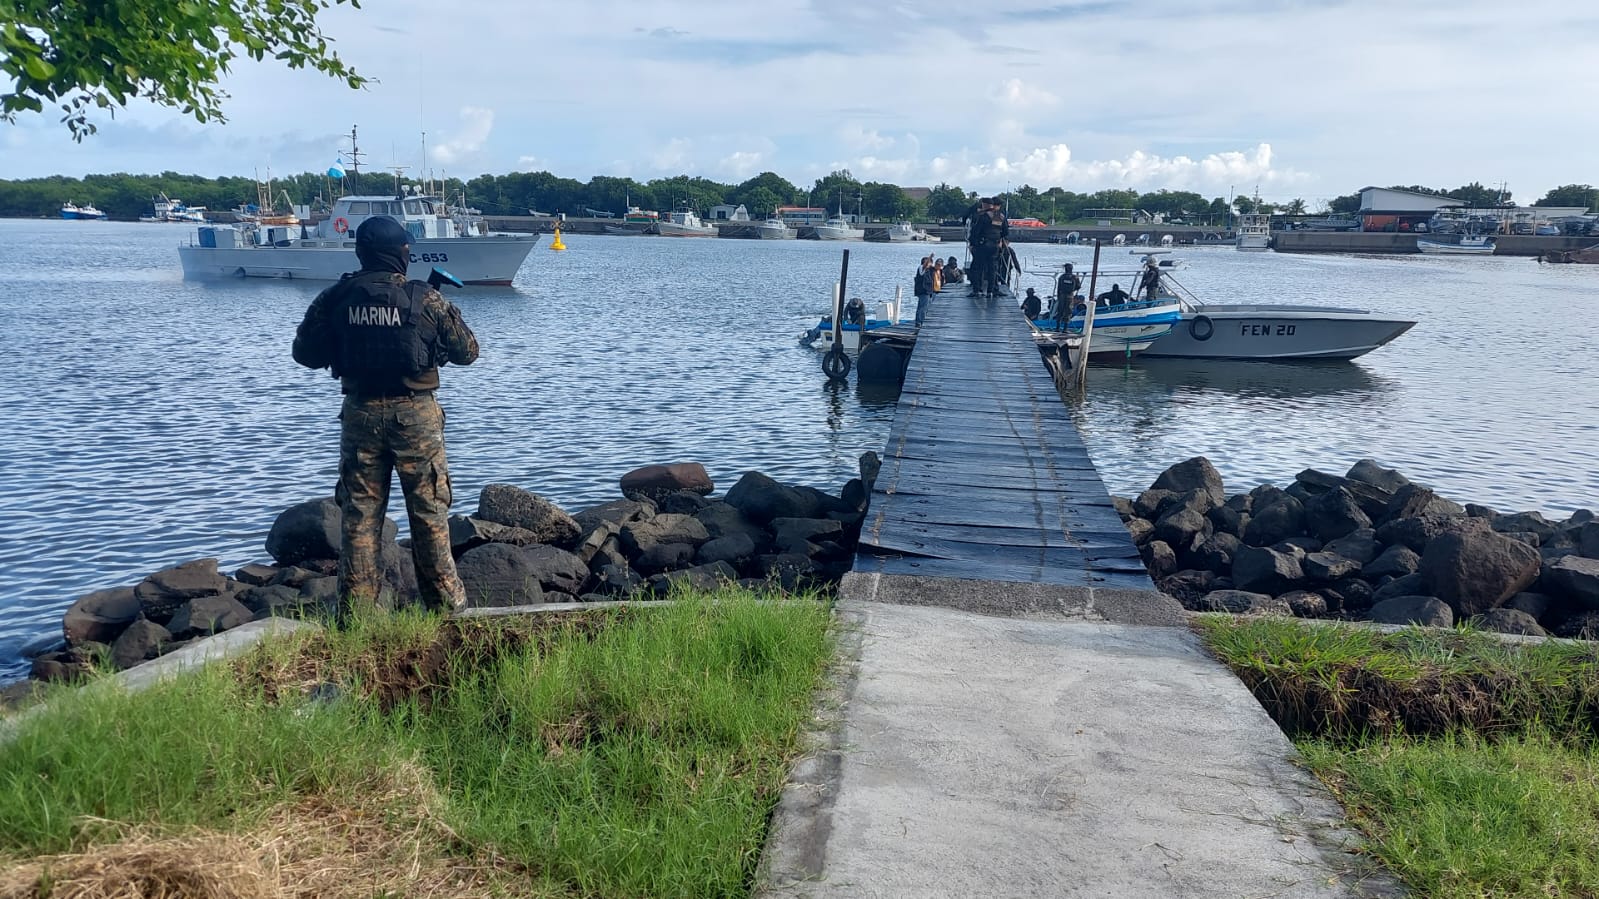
(456,342)
(313,341)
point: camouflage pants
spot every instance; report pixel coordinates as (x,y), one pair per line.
(381,436)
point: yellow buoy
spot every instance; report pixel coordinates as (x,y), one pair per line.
(556,243)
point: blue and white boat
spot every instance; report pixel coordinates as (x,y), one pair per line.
(73,212)
(856,322)
(1123,330)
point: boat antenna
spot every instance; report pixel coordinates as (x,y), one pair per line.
(427,181)
(355,153)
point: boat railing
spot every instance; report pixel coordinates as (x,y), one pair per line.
(1184,295)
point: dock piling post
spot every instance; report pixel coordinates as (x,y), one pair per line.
(1088,323)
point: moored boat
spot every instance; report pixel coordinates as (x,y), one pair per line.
(1470,245)
(1254,233)
(839,228)
(73,212)
(857,321)
(775,229)
(901,232)
(439,237)
(1120,331)
(684,223)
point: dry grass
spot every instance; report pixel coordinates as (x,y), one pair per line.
(382,839)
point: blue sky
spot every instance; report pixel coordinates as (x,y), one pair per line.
(1300,98)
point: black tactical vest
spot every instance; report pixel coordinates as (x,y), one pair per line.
(380,334)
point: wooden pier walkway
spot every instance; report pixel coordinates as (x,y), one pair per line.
(985,476)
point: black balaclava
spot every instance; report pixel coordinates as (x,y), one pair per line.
(380,244)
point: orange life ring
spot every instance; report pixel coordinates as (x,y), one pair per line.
(340,225)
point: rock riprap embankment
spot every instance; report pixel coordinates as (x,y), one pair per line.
(517,548)
(1369,544)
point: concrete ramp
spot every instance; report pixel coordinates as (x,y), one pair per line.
(1067,755)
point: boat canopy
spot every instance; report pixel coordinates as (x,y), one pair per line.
(421,216)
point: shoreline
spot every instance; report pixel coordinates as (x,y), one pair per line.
(1369,545)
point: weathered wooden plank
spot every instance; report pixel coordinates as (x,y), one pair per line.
(985,475)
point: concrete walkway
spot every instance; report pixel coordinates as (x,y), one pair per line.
(1088,746)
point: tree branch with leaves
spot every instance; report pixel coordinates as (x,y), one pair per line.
(93,55)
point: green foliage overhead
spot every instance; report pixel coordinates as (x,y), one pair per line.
(98,55)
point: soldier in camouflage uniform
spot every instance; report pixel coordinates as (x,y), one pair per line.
(384,338)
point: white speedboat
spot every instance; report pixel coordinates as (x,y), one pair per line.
(902,232)
(1254,233)
(1277,331)
(1470,245)
(684,223)
(440,236)
(839,228)
(775,229)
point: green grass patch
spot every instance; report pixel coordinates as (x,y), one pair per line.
(608,753)
(1470,763)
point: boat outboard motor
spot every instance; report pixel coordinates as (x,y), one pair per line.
(855,311)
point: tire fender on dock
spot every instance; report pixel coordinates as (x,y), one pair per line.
(880,363)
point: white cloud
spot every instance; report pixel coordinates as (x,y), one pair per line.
(1054,165)
(856,137)
(476,123)
(672,156)
(1019,94)
(530,163)
(740,165)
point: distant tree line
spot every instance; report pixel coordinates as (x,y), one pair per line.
(125,196)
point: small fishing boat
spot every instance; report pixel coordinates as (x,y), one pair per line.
(839,228)
(73,212)
(1121,331)
(1470,245)
(856,322)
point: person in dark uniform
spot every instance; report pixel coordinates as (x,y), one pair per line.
(384,338)
(1149,281)
(923,287)
(1031,305)
(1113,297)
(988,229)
(1066,287)
(952,272)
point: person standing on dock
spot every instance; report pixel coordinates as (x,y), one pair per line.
(384,338)
(989,227)
(1066,287)
(952,271)
(922,287)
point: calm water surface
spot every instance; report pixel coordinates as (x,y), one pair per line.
(156,420)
